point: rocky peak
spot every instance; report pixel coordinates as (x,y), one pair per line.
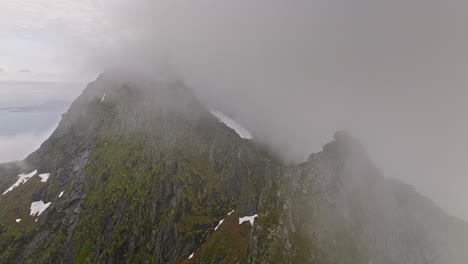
(140,172)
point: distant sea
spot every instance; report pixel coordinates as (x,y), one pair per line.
(34,107)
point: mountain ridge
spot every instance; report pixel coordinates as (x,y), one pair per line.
(142,172)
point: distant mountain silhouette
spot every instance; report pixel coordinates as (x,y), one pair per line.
(48,106)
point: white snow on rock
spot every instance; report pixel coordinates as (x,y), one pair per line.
(191,256)
(60,195)
(103,97)
(22,178)
(241,131)
(44,177)
(38,207)
(250,219)
(18,220)
(220,222)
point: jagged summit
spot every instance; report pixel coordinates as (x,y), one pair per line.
(141,172)
(344,144)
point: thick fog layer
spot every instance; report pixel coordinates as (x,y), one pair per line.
(393,73)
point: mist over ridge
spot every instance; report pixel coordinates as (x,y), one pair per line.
(218,131)
(295,72)
(140,169)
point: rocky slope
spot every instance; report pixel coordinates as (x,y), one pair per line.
(146,174)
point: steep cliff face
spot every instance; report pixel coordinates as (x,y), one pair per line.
(146,174)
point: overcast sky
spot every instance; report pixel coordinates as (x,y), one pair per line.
(392,72)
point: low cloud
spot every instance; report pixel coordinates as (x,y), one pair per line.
(18,147)
(293,72)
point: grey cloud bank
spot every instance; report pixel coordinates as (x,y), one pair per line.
(393,73)
(19,146)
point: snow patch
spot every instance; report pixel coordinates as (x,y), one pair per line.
(60,195)
(44,177)
(240,130)
(191,256)
(220,222)
(38,207)
(22,179)
(250,219)
(18,220)
(103,97)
